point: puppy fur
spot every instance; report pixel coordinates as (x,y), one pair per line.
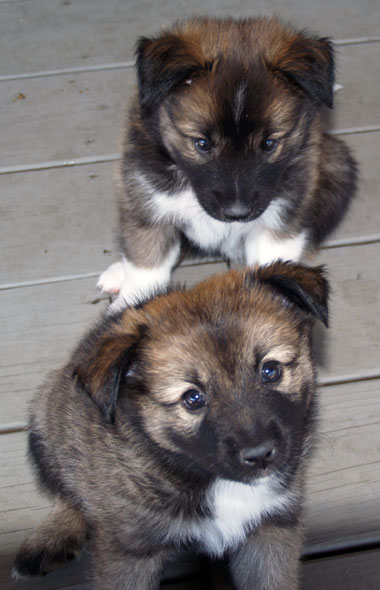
(225,150)
(183,422)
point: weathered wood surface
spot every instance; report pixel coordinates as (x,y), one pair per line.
(57,222)
(355,571)
(41,323)
(78,115)
(93,32)
(61,118)
(360,571)
(66,75)
(62,221)
(343,484)
(335,515)
(345,467)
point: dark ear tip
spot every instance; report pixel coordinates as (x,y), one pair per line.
(303,286)
(141,44)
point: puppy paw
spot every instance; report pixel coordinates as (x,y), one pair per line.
(58,540)
(38,561)
(111,280)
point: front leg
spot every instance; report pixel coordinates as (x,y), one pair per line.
(117,569)
(263,247)
(268,560)
(150,253)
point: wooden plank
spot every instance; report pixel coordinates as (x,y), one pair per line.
(40,323)
(345,572)
(351,345)
(363,218)
(354,64)
(57,222)
(63,117)
(343,484)
(343,489)
(62,221)
(79,115)
(51,34)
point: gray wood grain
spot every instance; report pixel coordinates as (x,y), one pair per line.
(342,511)
(79,115)
(63,117)
(355,571)
(40,323)
(352,344)
(343,483)
(66,75)
(63,221)
(57,222)
(51,34)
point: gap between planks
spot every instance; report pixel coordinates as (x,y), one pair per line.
(360,376)
(115,157)
(131,64)
(329,245)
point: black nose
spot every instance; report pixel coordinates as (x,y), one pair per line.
(261,456)
(237,211)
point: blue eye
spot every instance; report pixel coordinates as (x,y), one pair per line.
(193,399)
(271,372)
(269,145)
(203,144)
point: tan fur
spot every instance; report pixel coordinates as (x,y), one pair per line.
(235,83)
(132,467)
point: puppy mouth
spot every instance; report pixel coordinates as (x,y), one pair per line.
(249,475)
(251,216)
(254,477)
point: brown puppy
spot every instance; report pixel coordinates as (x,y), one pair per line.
(225,149)
(184,422)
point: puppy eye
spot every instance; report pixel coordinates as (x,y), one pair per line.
(271,372)
(269,145)
(131,372)
(193,399)
(203,145)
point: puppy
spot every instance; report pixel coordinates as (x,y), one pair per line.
(184,422)
(225,150)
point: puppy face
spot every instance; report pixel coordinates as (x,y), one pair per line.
(232,399)
(219,378)
(234,102)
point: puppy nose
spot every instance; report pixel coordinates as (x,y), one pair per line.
(237,211)
(260,456)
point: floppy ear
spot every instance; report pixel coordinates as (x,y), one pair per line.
(304,286)
(308,62)
(163,63)
(106,359)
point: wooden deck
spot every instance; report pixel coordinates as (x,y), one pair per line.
(66,72)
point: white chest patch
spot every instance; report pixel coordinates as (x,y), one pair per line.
(203,230)
(252,242)
(234,506)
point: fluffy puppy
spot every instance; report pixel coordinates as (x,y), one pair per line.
(184,422)
(225,150)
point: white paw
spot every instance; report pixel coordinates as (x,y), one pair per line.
(112,279)
(139,284)
(266,248)
(133,293)
(134,284)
